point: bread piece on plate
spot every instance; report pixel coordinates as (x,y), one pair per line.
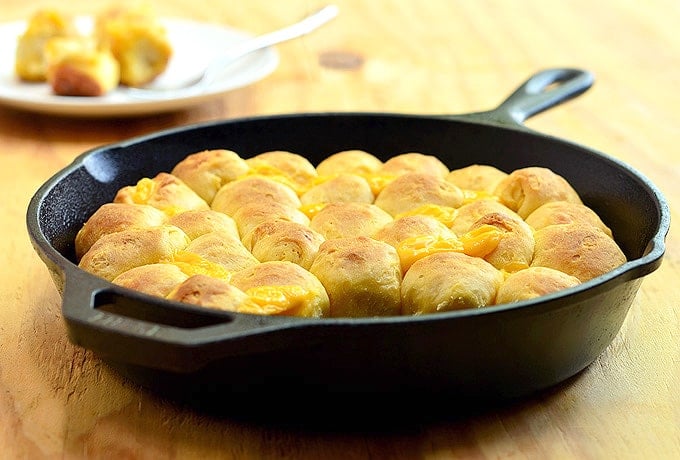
(118,252)
(199,222)
(165,192)
(533,282)
(565,212)
(138,40)
(357,162)
(208,170)
(476,177)
(579,250)
(284,241)
(209,292)
(77,66)
(412,190)
(525,189)
(344,220)
(253,189)
(153,279)
(30,62)
(414,162)
(114,217)
(361,275)
(447,281)
(284,286)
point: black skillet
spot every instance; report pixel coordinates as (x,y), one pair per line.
(493,353)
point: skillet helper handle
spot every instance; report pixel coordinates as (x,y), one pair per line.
(540,92)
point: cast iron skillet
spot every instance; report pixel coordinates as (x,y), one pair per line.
(493,353)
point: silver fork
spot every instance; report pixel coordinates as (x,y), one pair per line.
(236,52)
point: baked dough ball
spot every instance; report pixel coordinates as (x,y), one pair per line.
(138,41)
(253,189)
(118,252)
(77,66)
(414,162)
(114,217)
(207,171)
(153,279)
(579,250)
(417,225)
(525,189)
(165,192)
(291,168)
(206,291)
(30,62)
(477,177)
(250,215)
(514,249)
(341,188)
(565,212)
(447,281)
(471,212)
(224,250)
(199,222)
(533,282)
(361,275)
(344,220)
(350,162)
(286,286)
(284,240)
(413,190)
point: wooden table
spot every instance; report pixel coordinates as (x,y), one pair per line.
(429,57)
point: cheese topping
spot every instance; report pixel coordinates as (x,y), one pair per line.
(193,264)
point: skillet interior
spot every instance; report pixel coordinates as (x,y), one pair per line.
(502,352)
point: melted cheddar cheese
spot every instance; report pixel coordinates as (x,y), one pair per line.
(193,264)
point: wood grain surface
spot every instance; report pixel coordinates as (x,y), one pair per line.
(423,57)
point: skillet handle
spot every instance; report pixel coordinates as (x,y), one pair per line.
(540,92)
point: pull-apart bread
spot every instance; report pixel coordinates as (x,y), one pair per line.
(352,237)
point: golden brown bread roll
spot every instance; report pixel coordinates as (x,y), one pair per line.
(565,212)
(153,279)
(514,249)
(138,40)
(448,281)
(283,240)
(206,291)
(208,170)
(343,187)
(289,288)
(350,162)
(579,250)
(290,168)
(533,282)
(165,192)
(412,190)
(471,212)
(199,222)
(250,215)
(414,162)
(362,277)
(224,250)
(478,177)
(253,189)
(114,217)
(344,220)
(405,227)
(525,189)
(30,61)
(118,252)
(77,66)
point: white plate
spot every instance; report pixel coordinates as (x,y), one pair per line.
(194,45)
